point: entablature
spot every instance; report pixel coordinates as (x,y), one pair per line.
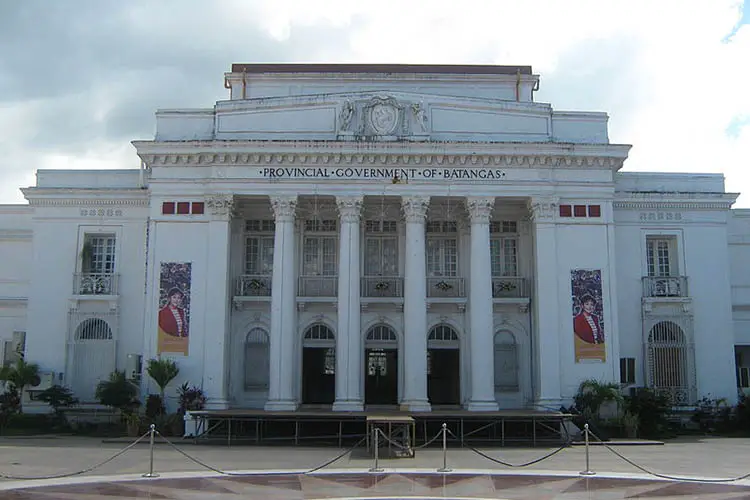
(674,200)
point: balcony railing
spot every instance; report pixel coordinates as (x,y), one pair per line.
(249,285)
(382,286)
(95,284)
(665,286)
(510,287)
(446,287)
(318,286)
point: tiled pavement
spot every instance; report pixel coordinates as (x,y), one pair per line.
(474,476)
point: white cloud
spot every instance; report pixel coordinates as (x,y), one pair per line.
(660,69)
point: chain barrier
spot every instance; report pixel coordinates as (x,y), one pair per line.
(656,474)
(77,473)
(508,464)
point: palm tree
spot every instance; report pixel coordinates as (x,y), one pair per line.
(592,394)
(20,375)
(162,371)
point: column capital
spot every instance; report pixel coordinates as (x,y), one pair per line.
(350,208)
(480,209)
(284,207)
(415,208)
(543,209)
(221,206)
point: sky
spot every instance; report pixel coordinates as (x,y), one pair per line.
(81,79)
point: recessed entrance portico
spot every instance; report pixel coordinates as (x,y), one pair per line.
(381,366)
(318,365)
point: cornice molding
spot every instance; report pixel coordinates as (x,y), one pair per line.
(262,153)
(644,200)
(16,234)
(88,202)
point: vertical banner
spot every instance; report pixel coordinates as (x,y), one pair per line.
(588,315)
(174,308)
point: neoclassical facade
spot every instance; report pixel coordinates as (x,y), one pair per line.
(348,237)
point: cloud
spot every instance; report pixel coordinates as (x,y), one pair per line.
(80,79)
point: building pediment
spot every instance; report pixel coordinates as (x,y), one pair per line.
(382,116)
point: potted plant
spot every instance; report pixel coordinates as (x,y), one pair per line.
(119,393)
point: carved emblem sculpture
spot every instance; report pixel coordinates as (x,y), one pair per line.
(383,115)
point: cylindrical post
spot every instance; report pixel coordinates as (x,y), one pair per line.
(445,449)
(151,453)
(588,471)
(375,431)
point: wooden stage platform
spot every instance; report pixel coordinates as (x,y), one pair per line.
(318,426)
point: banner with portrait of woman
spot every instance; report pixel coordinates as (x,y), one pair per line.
(174,308)
(588,315)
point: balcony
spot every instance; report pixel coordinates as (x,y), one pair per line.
(95,284)
(382,286)
(665,286)
(509,287)
(318,286)
(446,287)
(249,285)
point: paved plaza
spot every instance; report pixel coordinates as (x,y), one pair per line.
(473,476)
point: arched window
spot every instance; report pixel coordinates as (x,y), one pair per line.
(669,362)
(257,360)
(442,333)
(506,362)
(381,333)
(319,335)
(93,329)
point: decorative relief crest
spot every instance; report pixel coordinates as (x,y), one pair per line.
(384,114)
(101,212)
(543,209)
(221,205)
(660,216)
(346,115)
(420,115)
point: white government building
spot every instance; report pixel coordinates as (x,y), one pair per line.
(345,236)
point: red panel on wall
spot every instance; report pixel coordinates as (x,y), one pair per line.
(566,211)
(183,207)
(578,210)
(198,208)
(167,208)
(595,211)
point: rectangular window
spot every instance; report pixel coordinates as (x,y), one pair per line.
(595,211)
(183,207)
(659,257)
(259,242)
(168,208)
(579,210)
(627,370)
(743,377)
(442,257)
(100,255)
(504,256)
(319,256)
(198,207)
(381,255)
(566,211)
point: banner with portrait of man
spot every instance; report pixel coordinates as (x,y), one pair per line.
(174,308)
(588,315)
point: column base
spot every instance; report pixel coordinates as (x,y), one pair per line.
(415,405)
(482,406)
(217,404)
(348,405)
(281,405)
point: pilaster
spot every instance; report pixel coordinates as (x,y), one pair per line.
(349,335)
(281,396)
(480,307)
(415,306)
(215,377)
(545,303)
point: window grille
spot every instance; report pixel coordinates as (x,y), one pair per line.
(443,333)
(321,226)
(503,226)
(504,255)
(627,370)
(257,360)
(260,226)
(381,226)
(659,257)
(670,366)
(381,333)
(442,256)
(506,362)
(94,329)
(442,226)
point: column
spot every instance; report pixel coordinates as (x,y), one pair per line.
(349,335)
(545,304)
(281,396)
(415,306)
(481,336)
(218,298)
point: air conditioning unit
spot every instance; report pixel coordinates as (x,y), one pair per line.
(43,382)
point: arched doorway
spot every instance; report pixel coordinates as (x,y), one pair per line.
(443,366)
(506,363)
(381,366)
(670,363)
(257,360)
(93,357)
(318,365)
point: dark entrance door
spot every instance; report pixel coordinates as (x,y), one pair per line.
(318,379)
(381,376)
(443,379)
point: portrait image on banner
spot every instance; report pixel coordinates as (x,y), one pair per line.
(588,315)
(174,308)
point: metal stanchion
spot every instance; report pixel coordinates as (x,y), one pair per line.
(445,450)
(375,443)
(151,453)
(588,471)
